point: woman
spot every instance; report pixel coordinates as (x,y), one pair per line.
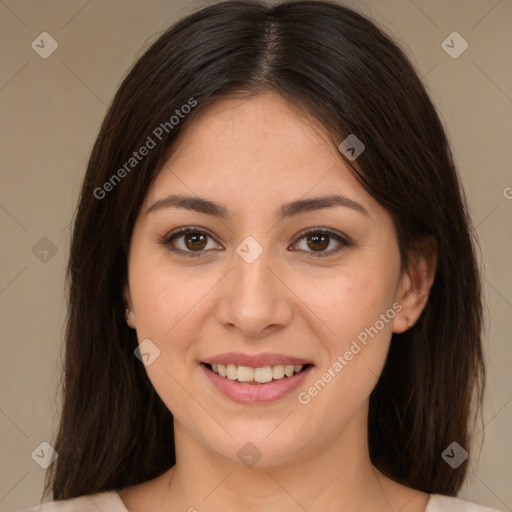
(274,298)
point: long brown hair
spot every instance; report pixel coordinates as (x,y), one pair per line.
(345,72)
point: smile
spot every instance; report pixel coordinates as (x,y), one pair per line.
(255,385)
(260,375)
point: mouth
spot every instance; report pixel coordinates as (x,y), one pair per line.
(256,379)
(256,376)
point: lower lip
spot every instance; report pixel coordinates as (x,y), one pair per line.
(256,393)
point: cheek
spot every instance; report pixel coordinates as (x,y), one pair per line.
(165,298)
(347,301)
(356,312)
(170,311)
(356,351)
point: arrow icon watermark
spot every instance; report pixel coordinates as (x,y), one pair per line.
(352,147)
(44,45)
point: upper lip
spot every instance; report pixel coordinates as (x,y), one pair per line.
(256,360)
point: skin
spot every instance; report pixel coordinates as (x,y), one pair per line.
(253,155)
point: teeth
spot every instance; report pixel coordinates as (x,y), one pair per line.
(278,371)
(231,371)
(245,374)
(260,375)
(289,369)
(263,375)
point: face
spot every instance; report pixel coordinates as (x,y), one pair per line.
(259,282)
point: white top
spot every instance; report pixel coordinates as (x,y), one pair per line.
(111,502)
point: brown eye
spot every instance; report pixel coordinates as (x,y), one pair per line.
(195,241)
(190,241)
(317,241)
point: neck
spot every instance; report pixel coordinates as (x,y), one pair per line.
(338,477)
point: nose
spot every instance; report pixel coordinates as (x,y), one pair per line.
(255,300)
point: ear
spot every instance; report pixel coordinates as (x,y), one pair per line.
(416,281)
(130,315)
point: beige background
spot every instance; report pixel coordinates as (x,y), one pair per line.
(51,110)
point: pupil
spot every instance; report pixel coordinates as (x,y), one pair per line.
(195,243)
(316,238)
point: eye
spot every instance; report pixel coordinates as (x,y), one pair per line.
(320,239)
(188,241)
(193,242)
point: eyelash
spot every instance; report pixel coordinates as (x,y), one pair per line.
(171,237)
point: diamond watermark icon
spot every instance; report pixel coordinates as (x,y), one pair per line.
(454,455)
(249,455)
(44,45)
(44,455)
(147,352)
(249,250)
(44,250)
(454,45)
(352,147)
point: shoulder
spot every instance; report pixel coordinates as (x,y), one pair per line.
(110,501)
(440,503)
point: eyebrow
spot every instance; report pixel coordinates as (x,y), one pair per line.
(202,205)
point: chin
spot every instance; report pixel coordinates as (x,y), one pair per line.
(254,446)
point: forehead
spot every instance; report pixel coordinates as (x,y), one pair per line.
(237,135)
(267,120)
(251,153)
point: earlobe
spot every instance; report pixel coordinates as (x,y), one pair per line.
(401,323)
(129,314)
(417,280)
(130,318)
